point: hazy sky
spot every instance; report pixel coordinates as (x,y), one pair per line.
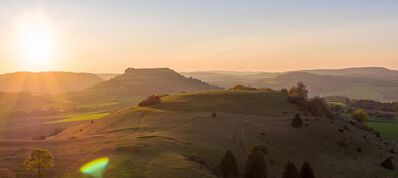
(187,35)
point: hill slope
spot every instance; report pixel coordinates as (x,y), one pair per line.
(180,138)
(46,82)
(144,82)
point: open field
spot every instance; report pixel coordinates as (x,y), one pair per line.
(386,128)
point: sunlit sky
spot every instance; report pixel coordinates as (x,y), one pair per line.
(188,35)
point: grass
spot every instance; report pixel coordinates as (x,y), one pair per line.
(83,117)
(263,103)
(386,128)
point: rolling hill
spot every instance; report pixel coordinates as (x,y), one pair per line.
(180,138)
(140,83)
(358,83)
(365,72)
(46,82)
(230,79)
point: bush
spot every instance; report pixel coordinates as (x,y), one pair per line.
(284,91)
(228,166)
(241,87)
(317,106)
(6,173)
(387,163)
(151,100)
(297,122)
(290,171)
(255,165)
(214,115)
(38,160)
(306,171)
(360,116)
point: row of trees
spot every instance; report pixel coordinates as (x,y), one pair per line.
(375,105)
(256,167)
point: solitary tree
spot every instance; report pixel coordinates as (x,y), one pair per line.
(38,160)
(299,91)
(290,171)
(228,166)
(306,171)
(255,165)
(360,116)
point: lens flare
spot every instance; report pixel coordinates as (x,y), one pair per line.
(96,167)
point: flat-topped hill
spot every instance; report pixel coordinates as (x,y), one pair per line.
(144,82)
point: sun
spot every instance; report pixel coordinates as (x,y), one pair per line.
(36,43)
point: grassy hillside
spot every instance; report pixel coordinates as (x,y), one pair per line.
(180,138)
(27,102)
(46,82)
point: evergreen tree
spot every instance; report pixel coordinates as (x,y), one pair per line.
(306,171)
(255,165)
(290,171)
(228,166)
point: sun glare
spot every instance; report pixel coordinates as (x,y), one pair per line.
(36,43)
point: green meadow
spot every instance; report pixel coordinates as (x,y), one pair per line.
(82,117)
(386,128)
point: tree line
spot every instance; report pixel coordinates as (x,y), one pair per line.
(256,167)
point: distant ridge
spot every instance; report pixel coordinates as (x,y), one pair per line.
(147,81)
(370,72)
(46,82)
(377,83)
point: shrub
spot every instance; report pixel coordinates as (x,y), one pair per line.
(255,165)
(306,171)
(38,160)
(214,115)
(359,149)
(360,116)
(284,91)
(317,106)
(290,171)
(241,87)
(387,163)
(151,100)
(297,121)
(228,166)
(6,173)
